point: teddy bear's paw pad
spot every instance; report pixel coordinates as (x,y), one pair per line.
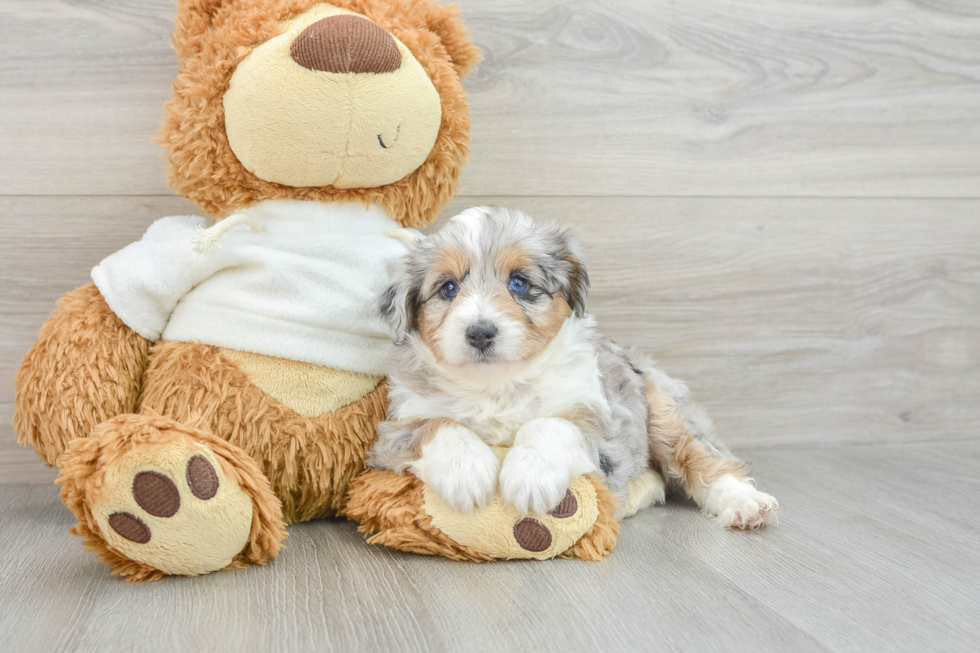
(532,535)
(173,508)
(502,532)
(567,508)
(130,527)
(156,494)
(201,478)
(159,496)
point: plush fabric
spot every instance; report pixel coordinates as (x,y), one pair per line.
(309,390)
(212,38)
(600,541)
(192,536)
(91,476)
(389,509)
(309,461)
(84,368)
(496,529)
(343,130)
(346,44)
(303,288)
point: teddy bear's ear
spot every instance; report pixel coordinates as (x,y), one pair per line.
(193,20)
(444,21)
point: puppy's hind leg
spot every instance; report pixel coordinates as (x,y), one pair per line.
(646,490)
(683,446)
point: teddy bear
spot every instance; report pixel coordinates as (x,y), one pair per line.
(223,376)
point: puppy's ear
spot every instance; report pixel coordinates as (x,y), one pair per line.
(576,283)
(398,306)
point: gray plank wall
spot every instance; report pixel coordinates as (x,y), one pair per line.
(780,199)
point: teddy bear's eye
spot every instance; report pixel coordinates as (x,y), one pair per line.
(448,290)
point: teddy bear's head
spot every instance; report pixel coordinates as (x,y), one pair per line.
(351,100)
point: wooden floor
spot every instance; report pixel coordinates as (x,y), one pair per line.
(877,550)
(779,199)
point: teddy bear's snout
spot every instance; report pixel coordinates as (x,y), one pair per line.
(346,44)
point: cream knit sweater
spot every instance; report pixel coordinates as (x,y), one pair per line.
(303,288)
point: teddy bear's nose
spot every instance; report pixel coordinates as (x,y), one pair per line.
(346,44)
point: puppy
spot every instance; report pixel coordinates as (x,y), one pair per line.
(493,346)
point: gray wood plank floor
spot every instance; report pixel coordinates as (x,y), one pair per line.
(876,550)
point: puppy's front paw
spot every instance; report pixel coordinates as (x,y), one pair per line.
(738,504)
(460,468)
(532,482)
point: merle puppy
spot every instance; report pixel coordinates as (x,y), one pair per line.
(494,347)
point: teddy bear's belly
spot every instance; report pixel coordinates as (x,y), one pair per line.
(309,428)
(310,390)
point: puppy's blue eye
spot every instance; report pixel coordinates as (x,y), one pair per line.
(449,290)
(517,284)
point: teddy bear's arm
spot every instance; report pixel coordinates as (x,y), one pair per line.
(84,368)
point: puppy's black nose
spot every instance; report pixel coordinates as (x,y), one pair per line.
(481,335)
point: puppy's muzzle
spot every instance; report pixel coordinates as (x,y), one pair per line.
(480,336)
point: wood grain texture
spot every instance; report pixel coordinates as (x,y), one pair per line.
(652,97)
(57,243)
(867,556)
(793,320)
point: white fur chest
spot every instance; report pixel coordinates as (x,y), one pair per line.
(496,414)
(495,403)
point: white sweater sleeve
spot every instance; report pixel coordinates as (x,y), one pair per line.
(143,282)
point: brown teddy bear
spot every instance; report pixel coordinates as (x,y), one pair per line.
(217,382)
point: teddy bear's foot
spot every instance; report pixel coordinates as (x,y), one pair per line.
(400,511)
(156,497)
